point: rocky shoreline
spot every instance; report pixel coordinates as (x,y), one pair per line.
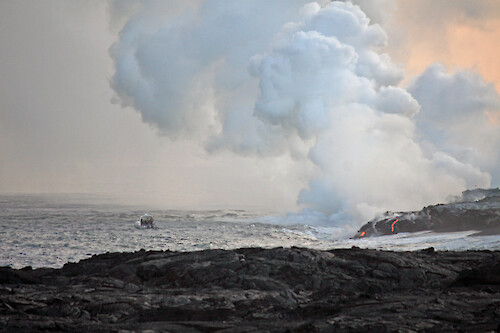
(477,210)
(258,290)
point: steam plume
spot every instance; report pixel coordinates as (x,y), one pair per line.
(267,78)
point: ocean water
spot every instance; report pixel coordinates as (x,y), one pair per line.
(51,230)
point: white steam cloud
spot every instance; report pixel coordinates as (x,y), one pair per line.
(267,78)
(460,115)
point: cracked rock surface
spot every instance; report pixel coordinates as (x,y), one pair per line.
(258,290)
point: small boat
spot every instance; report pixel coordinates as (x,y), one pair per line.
(145,222)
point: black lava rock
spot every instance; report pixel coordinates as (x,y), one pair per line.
(475,210)
(258,290)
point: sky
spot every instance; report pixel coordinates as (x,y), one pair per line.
(285,106)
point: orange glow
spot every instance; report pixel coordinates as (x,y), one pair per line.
(494,118)
(392,225)
(362,234)
(458,43)
(477,48)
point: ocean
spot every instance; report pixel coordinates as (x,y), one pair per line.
(51,230)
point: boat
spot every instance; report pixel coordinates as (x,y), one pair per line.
(145,222)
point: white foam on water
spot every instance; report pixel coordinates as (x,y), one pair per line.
(38,232)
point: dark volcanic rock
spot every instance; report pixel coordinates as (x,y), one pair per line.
(475,210)
(258,290)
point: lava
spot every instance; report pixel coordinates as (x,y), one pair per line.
(362,234)
(392,225)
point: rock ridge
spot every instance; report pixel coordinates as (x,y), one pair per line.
(477,210)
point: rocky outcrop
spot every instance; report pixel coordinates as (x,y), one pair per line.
(258,290)
(475,210)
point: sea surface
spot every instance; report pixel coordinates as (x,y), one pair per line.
(51,230)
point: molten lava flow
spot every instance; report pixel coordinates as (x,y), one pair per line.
(392,225)
(362,234)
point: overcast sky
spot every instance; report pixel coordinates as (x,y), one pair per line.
(63,128)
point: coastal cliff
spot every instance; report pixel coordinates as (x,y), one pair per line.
(477,210)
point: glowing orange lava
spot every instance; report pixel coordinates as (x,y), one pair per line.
(392,225)
(362,234)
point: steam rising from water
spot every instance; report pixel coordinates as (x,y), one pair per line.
(268,78)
